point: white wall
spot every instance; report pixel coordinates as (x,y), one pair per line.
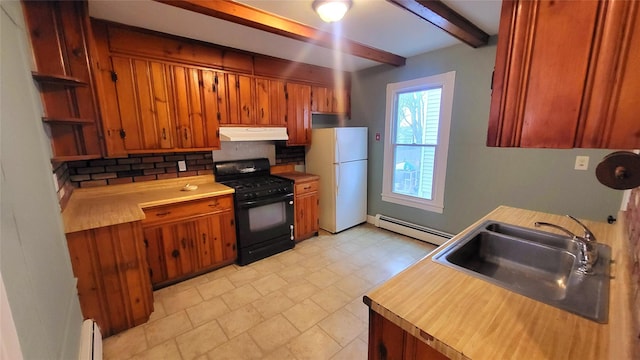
(34,260)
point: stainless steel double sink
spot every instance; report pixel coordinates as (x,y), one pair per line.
(540,265)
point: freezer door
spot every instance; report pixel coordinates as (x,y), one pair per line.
(350,144)
(351,194)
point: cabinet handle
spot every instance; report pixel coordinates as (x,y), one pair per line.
(307,187)
(262,113)
(186,136)
(163,213)
(184,243)
(146,243)
(214,204)
(204,238)
(164,134)
(175,253)
(382,351)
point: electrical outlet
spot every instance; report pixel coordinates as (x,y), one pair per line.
(182,165)
(582,163)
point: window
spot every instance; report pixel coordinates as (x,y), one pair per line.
(417,141)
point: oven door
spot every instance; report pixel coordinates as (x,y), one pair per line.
(262,220)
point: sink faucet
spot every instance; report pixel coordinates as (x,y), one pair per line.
(586,244)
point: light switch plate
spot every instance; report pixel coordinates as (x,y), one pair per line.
(582,163)
(182,165)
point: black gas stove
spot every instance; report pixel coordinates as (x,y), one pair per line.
(263,208)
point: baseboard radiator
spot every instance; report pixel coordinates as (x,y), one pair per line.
(90,341)
(419,232)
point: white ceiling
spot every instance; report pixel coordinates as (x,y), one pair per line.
(376,23)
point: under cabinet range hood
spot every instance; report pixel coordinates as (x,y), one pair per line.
(253,133)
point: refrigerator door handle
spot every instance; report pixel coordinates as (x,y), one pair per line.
(338,159)
(337,179)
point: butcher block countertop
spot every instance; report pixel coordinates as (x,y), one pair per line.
(92,208)
(467,318)
(297,176)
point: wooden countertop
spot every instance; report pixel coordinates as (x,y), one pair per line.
(468,318)
(116,204)
(298,177)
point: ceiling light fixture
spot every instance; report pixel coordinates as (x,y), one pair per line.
(331,10)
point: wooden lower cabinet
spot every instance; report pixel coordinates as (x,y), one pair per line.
(189,243)
(306,204)
(113,279)
(388,341)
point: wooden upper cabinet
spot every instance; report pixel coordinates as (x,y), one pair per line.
(271,102)
(298,114)
(329,100)
(142,88)
(556,87)
(197,107)
(241,93)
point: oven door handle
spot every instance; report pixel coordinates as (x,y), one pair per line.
(260,202)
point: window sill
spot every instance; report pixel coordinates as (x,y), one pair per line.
(409,201)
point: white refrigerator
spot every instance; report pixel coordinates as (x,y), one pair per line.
(339,157)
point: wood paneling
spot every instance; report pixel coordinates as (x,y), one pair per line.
(113,281)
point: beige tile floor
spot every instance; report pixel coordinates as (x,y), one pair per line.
(304,303)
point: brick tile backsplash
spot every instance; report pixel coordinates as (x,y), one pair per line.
(290,155)
(146,167)
(136,167)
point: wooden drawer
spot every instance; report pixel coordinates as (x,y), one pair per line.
(306,187)
(187,209)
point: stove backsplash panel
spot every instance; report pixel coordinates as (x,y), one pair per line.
(146,167)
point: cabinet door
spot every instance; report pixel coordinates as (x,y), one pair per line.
(306,222)
(155,254)
(541,66)
(241,96)
(215,245)
(176,242)
(340,101)
(298,114)
(278,103)
(320,99)
(263,101)
(143,100)
(560,88)
(196,127)
(612,100)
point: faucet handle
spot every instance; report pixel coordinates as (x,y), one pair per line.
(588,235)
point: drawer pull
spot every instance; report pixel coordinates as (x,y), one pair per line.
(307,187)
(214,204)
(163,213)
(175,253)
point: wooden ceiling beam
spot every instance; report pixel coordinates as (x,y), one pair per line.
(442,16)
(258,19)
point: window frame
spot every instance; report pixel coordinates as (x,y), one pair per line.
(446,81)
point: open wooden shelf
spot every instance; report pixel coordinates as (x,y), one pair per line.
(62,80)
(67,121)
